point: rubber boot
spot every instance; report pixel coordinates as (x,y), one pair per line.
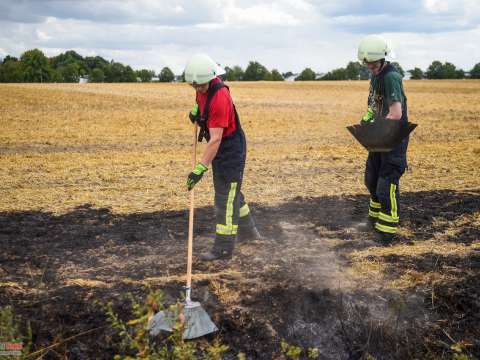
(215,255)
(248,234)
(222,248)
(367,225)
(247,230)
(384,238)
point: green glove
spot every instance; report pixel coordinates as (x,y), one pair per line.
(368,117)
(196,175)
(193,114)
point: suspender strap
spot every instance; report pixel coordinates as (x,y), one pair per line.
(381,77)
(237,118)
(381,86)
(381,90)
(212,90)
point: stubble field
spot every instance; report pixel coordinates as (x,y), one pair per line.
(93,205)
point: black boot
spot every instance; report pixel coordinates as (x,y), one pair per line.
(216,254)
(247,230)
(222,248)
(384,238)
(367,225)
(248,234)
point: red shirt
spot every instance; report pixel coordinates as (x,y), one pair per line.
(220,114)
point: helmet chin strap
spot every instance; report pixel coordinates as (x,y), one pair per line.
(382,65)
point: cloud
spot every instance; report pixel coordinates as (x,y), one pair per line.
(429,16)
(356,16)
(285,34)
(165,12)
(390,23)
(42,36)
(333,8)
(279,13)
(417,49)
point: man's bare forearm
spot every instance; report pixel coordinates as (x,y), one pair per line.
(212,146)
(395,111)
(210,151)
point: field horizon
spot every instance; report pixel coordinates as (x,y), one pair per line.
(128,146)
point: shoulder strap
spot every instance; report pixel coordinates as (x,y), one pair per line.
(381,77)
(212,90)
(237,118)
(381,86)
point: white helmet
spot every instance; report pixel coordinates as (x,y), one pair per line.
(200,69)
(372,48)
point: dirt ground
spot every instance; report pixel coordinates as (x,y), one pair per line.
(90,216)
(296,285)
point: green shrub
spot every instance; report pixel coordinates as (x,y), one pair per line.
(294,352)
(10,331)
(136,340)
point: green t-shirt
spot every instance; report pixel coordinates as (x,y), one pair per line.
(392,91)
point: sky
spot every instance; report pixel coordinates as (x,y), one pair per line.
(288,35)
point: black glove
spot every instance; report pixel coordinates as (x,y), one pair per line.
(368,117)
(194,114)
(196,175)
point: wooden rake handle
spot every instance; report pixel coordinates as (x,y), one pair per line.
(190,219)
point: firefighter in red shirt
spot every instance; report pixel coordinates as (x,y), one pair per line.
(226,151)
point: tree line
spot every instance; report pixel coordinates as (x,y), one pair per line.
(34,66)
(353,71)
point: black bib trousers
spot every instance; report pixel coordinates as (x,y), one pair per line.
(382,176)
(231,210)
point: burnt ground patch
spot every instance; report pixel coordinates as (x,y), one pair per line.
(290,286)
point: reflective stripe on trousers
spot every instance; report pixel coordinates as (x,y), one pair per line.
(387,220)
(374,208)
(229,228)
